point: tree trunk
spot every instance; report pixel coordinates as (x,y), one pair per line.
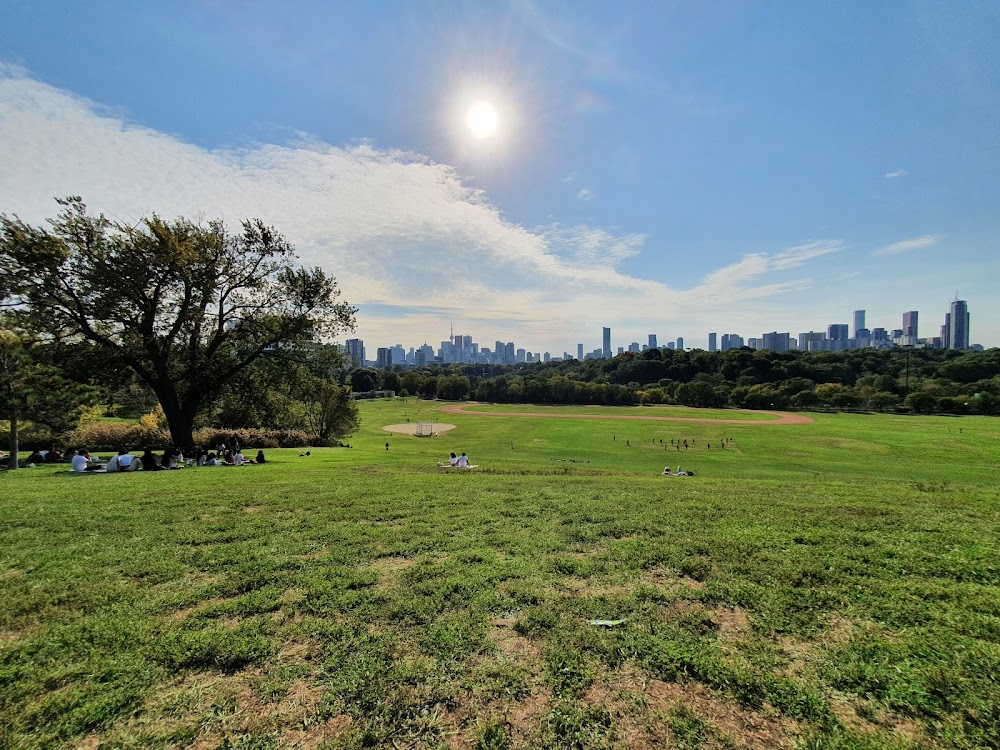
(14,441)
(180,422)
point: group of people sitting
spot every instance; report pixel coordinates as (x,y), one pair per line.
(172,458)
(456,462)
(679,473)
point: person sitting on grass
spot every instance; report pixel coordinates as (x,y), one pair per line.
(81,462)
(462,462)
(212,460)
(149,462)
(666,471)
(260,458)
(36,458)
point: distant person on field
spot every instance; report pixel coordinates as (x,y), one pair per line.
(36,458)
(666,471)
(212,460)
(453,460)
(463,461)
(260,457)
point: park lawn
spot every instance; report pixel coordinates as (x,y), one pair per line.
(845,596)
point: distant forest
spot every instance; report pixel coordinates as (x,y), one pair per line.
(902,380)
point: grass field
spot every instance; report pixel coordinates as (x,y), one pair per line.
(827,585)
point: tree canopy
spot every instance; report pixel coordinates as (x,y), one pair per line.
(185,305)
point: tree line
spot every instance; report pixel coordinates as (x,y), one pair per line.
(921,381)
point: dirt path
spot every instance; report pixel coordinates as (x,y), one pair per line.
(783,417)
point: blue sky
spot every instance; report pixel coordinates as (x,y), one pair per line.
(664,167)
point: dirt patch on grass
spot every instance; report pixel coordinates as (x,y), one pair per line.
(316,735)
(513,646)
(253,509)
(11,573)
(411,428)
(642,709)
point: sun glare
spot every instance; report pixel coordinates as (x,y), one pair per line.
(482,119)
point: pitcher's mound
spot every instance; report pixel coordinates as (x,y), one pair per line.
(411,428)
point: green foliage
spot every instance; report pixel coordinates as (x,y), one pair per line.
(185,306)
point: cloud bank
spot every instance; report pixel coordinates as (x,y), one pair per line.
(906,246)
(408,240)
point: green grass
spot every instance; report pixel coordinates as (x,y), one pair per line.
(831,585)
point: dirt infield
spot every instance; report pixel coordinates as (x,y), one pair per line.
(783,417)
(410,428)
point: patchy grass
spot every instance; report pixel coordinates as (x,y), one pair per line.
(362,598)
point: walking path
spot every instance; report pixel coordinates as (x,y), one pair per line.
(782,416)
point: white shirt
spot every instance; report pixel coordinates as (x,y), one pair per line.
(453,460)
(239,459)
(125,461)
(79,463)
(463,462)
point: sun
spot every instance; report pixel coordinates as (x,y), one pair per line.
(482,119)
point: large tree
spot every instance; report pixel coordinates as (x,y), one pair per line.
(185,305)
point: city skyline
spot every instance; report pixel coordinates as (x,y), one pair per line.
(533,170)
(948,336)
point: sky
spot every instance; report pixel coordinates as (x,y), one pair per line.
(664,167)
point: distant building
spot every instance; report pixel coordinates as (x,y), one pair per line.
(958,330)
(634,347)
(776,342)
(910,320)
(755,343)
(579,352)
(837,332)
(807,340)
(711,343)
(671,345)
(607,342)
(520,355)
(731,341)
(356,351)
(859,322)
(383,358)
(652,341)
(680,342)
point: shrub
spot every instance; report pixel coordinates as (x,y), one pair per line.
(251,437)
(110,436)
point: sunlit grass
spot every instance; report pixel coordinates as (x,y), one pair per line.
(844,596)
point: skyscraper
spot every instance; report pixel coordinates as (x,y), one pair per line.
(680,342)
(837,332)
(712,347)
(356,351)
(958,329)
(777,342)
(910,324)
(652,341)
(383,358)
(607,343)
(859,321)
(579,352)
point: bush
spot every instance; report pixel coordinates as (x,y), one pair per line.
(110,436)
(251,437)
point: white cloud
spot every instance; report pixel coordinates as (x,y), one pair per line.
(585,194)
(905,246)
(796,256)
(894,175)
(397,229)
